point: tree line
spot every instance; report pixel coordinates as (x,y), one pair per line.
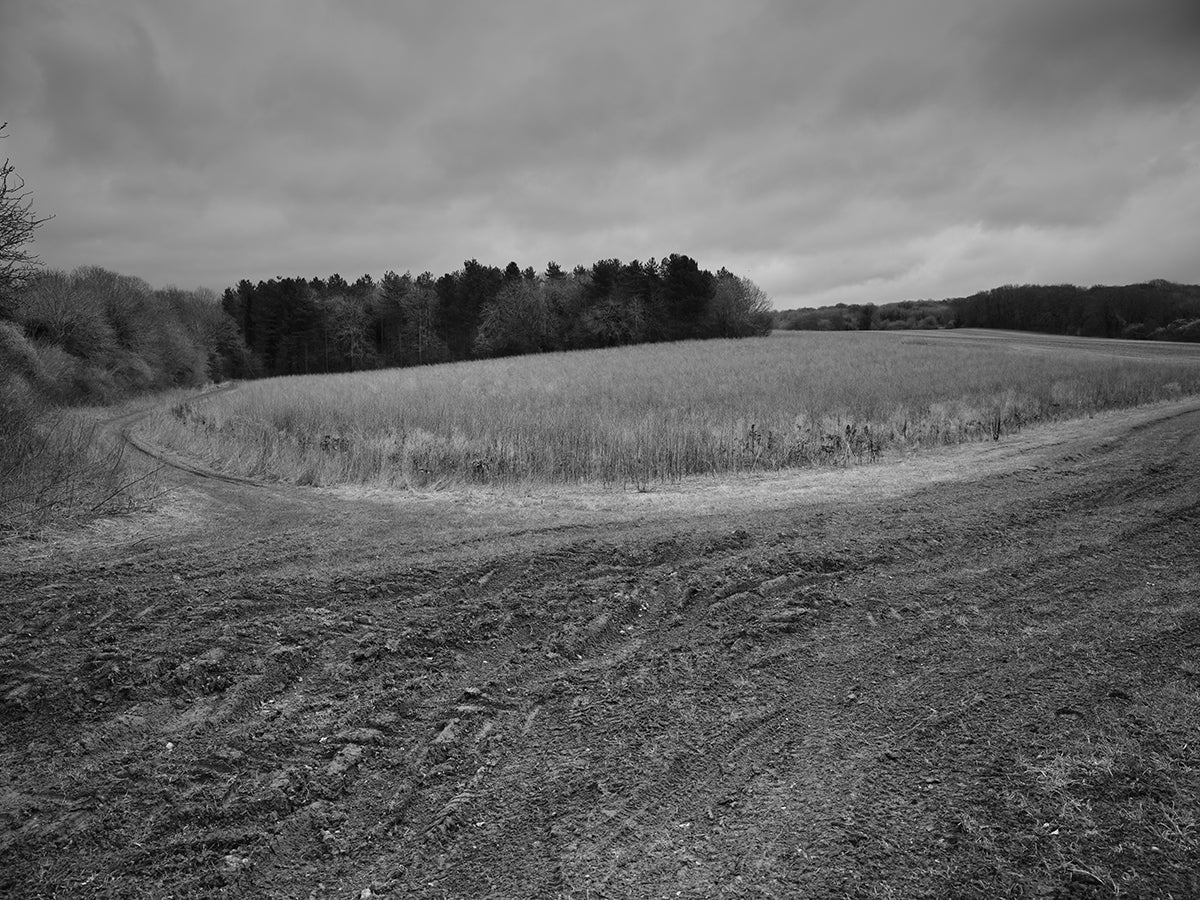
(294,325)
(95,336)
(1154,310)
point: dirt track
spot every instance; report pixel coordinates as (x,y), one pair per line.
(971,673)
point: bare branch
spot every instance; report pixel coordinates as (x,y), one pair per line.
(18,222)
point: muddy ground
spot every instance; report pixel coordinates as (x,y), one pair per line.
(972,672)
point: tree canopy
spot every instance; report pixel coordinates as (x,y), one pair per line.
(293,325)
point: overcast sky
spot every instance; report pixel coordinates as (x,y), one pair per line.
(832,150)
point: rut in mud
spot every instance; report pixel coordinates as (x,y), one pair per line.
(985,685)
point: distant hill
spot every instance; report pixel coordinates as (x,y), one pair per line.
(1156,310)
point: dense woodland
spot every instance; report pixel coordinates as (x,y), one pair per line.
(1156,310)
(294,326)
(93,336)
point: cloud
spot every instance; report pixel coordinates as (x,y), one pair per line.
(1061,55)
(843,150)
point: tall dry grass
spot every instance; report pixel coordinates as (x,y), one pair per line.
(58,466)
(661,412)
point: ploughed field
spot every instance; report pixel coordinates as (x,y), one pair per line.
(957,669)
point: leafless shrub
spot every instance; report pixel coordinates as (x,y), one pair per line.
(56,466)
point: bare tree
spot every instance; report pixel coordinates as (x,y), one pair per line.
(18,222)
(739,307)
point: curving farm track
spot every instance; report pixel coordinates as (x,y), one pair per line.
(969,673)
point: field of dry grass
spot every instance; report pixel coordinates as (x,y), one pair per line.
(658,413)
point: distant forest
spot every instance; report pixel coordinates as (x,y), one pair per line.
(1157,310)
(93,335)
(298,326)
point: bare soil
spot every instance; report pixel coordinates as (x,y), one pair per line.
(972,672)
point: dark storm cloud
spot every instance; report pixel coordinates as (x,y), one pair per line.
(103,97)
(1073,52)
(847,150)
(102,91)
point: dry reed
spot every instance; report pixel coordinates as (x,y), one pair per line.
(654,413)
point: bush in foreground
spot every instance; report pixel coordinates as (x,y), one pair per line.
(57,466)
